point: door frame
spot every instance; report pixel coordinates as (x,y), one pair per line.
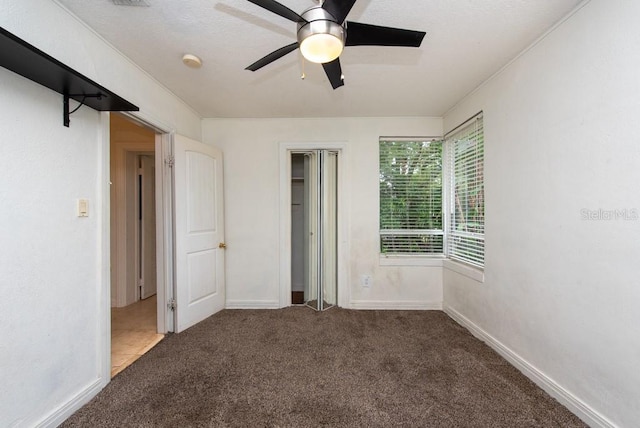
(124,184)
(164,230)
(285,151)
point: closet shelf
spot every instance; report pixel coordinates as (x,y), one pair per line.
(30,62)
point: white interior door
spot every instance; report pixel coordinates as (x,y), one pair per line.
(199,225)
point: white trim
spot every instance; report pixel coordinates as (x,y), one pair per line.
(464,269)
(285,229)
(286,149)
(396,305)
(581,409)
(69,407)
(104,248)
(161,147)
(252,304)
(431,138)
(149,121)
(164,234)
(447,177)
(410,260)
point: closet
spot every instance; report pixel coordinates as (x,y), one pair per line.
(314,207)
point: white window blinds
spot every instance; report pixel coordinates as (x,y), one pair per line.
(411,219)
(465,238)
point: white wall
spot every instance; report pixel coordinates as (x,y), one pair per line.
(252,186)
(561,293)
(53,267)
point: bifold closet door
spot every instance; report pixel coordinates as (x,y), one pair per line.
(320,224)
(311,191)
(329,212)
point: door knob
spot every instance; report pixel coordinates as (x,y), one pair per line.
(222,245)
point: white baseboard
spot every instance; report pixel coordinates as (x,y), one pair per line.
(63,412)
(395,305)
(581,409)
(252,304)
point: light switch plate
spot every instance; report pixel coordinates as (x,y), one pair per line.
(83,208)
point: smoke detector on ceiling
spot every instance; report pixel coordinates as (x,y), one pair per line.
(142,3)
(192,61)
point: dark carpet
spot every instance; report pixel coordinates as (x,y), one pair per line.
(298,368)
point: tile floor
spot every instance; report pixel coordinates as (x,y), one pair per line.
(133,332)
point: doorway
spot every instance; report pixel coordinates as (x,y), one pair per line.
(134,261)
(314,228)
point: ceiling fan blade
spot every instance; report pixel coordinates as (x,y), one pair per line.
(272,57)
(339,9)
(334,73)
(279,9)
(373,35)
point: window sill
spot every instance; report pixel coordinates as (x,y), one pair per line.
(411,260)
(463,269)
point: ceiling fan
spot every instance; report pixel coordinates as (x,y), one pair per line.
(323,33)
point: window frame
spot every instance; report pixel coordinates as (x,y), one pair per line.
(408,258)
(445,258)
(449,137)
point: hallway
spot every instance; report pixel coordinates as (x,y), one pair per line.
(133,333)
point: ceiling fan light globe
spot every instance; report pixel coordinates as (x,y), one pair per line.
(320,38)
(321,48)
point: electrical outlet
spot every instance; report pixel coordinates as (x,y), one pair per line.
(366,281)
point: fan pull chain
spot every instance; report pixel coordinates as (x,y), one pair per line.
(302,76)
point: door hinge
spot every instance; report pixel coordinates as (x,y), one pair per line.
(170,161)
(171,304)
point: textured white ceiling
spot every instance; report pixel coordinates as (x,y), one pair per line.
(466,42)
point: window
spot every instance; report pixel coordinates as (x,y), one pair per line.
(465,234)
(412,207)
(411,217)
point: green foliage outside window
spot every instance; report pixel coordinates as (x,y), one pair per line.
(411,218)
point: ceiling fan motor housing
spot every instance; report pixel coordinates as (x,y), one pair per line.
(321,28)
